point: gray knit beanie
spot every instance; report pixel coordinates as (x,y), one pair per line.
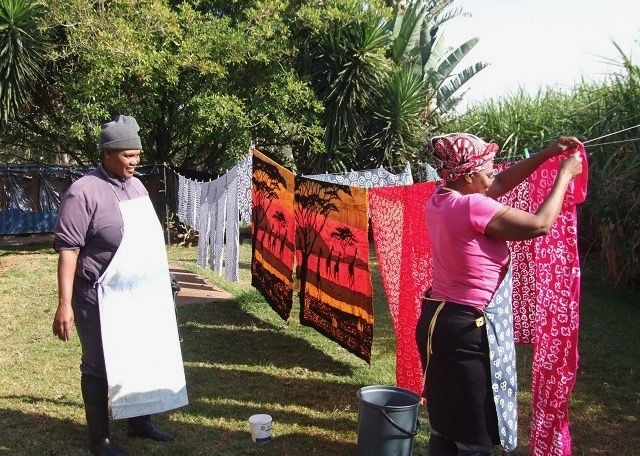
(120,134)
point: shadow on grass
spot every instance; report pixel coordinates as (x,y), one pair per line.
(253,387)
(24,433)
(248,341)
(28,434)
(52,436)
(26,249)
(42,400)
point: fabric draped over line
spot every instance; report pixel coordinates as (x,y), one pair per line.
(245,168)
(555,359)
(406,267)
(273,233)
(546,293)
(332,272)
(369,178)
(215,209)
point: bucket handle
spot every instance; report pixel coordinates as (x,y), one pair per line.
(397,426)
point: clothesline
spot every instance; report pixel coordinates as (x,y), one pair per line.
(610,134)
(615,142)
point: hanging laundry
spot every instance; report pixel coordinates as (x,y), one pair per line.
(209,207)
(244,189)
(406,266)
(217,204)
(273,233)
(332,253)
(187,193)
(555,358)
(369,178)
(523,266)
(232,228)
(431,173)
(182,198)
(204,223)
(192,203)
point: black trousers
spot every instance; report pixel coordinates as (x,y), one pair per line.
(458,385)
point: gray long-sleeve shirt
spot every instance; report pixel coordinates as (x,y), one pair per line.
(89,219)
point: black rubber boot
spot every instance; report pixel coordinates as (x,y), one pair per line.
(441,446)
(142,426)
(94,394)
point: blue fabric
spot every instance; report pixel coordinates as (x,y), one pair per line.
(16,221)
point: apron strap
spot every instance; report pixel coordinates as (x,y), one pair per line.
(432,326)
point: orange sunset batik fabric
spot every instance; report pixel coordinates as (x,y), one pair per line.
(273,232)
(332,270)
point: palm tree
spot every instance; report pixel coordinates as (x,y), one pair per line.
(418,41)
(21,54)
(348,61)
(383,80)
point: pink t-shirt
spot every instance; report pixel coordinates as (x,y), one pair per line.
(468,265)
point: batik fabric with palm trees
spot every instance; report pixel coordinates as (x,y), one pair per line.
(332,253)
(273,230)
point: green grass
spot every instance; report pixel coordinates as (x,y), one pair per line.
(241,358)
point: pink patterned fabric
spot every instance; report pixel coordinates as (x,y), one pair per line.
(405,263)
(555,359)
(546,292)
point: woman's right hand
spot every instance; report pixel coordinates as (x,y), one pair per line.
(63,322)
(572,165)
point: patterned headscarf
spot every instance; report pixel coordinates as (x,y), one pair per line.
(461,153)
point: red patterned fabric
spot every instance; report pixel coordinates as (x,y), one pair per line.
(405,263)
(332,253)
(273,233)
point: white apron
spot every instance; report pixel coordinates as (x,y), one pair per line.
(137,319)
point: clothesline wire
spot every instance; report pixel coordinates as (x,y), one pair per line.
(615,142)
(394,168)
(610,134)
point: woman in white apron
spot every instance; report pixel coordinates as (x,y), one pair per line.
(113,282)
(465,333)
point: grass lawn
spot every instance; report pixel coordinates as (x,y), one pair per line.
(241,358)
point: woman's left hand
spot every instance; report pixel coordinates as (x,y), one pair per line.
(561,145)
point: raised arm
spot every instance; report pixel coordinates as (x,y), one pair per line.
(514,175)
(515,225)
(63,319)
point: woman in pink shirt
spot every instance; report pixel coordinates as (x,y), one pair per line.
(469,230)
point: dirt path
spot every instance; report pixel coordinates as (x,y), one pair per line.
(195,290)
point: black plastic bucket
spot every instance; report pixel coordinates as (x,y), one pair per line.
(387,420)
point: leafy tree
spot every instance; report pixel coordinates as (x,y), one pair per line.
(201,83)
(332,84)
